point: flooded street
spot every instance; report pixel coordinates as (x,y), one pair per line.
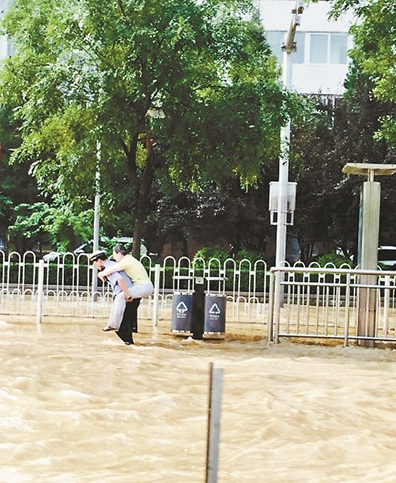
(78,406)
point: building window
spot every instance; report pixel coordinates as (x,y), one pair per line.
(298,55)
(328,49)
(338,49)
(276,40)
(324,48)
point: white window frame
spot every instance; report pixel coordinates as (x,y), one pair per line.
(329,36)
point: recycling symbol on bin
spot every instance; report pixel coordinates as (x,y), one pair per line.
(214,310)
(182,307)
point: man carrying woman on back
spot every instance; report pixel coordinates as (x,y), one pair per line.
(141,283)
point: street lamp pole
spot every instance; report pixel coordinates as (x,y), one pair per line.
(97,199)
(284,201)
(96,217)
(288,47)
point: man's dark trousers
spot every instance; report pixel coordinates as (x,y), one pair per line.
(129,322)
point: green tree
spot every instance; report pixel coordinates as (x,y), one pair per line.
(67,228)
(337,133)
(177,90)
(327,202)
(374,38)
(17,185)
(40,224)
(227,215)
(29,229)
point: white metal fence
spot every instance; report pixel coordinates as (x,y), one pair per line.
(71,289)
(329,303)
(305,302)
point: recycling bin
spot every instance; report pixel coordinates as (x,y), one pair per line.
(182,304)
(215,313)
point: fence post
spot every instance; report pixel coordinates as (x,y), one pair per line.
(40,290)
(156,293)
(347,305)
(216,383)
(270,323)
(278,277)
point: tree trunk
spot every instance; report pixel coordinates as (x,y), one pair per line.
(137,236)
(141,196)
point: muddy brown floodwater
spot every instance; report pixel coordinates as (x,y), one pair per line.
(78,406)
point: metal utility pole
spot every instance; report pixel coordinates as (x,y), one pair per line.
(283,193)
(288,47)
(96,226)
(97,200)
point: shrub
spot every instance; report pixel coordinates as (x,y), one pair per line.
(207,253)
(249,255)
(334,259)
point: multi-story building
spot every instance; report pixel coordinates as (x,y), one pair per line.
(320,63)
(5,47)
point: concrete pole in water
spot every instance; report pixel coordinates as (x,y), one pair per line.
(214,412)
(368,243)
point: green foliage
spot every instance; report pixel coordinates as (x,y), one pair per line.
(374,51)
(334,259)
(332,135)
(89,71)
(29,225)
(41,224)
(66,227)
(249,255)
(16,184)
(217,214)
(5,205)
(208,253)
